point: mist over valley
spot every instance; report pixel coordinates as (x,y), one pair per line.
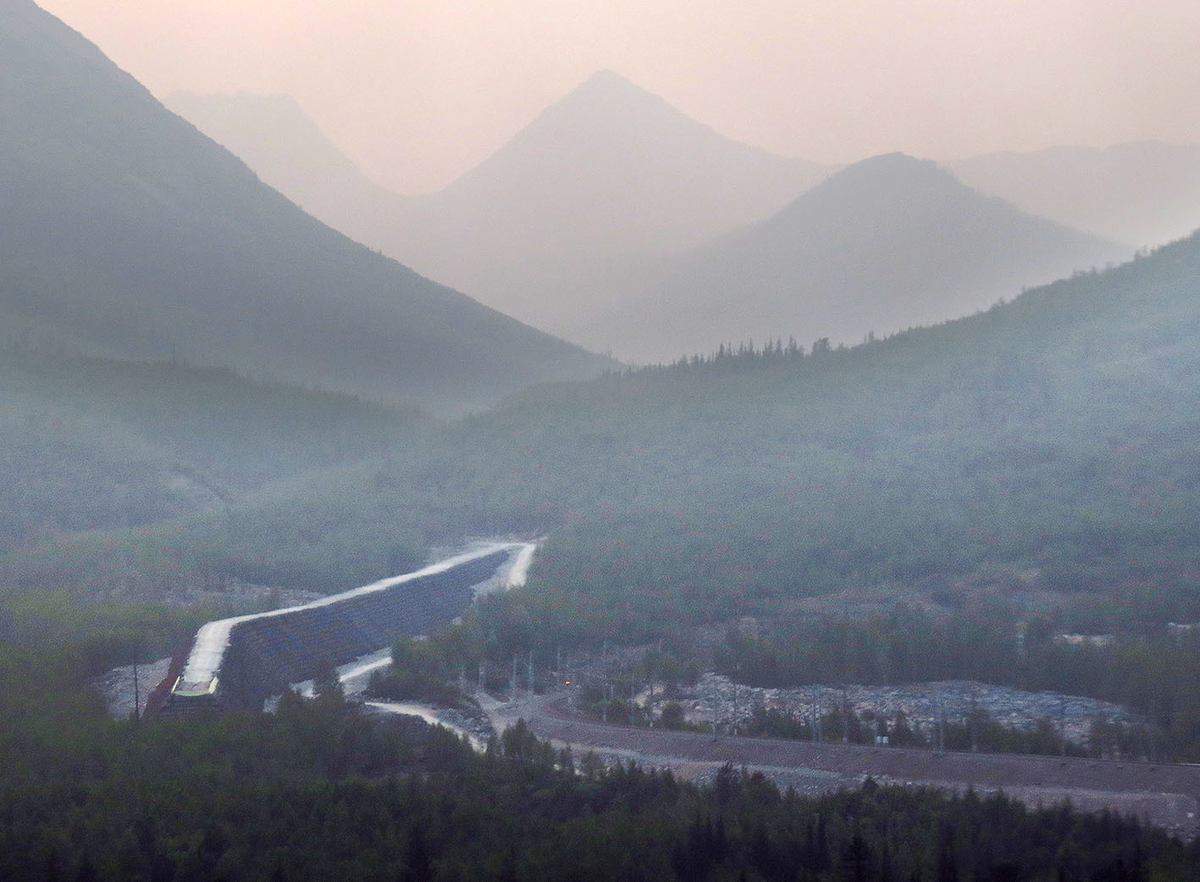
(739,515)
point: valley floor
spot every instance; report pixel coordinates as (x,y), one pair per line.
(1162,794)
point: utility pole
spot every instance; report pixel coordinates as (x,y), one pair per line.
(845,717)
(820,698)
(512,682)
(127,541)
(974,719)
(531,679)
(733,723)
(1062,725)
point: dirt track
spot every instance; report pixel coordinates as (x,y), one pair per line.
(1164,794)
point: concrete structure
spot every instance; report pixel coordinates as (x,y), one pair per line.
(240,662)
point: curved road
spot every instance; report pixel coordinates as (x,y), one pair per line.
(1164,794)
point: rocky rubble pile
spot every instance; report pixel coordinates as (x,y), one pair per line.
(922,704)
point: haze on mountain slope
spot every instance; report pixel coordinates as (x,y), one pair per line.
(283,146)
(1146,193)
(129,234)
(1054,431)
(587,202)
(886,244)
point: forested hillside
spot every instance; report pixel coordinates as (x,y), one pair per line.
(93,443)
(129,234)
(212,404)
(1051,432)
(317,791)
(1032,463)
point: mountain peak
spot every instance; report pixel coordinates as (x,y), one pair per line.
(892,166)
(612,98)
(888,243)
(278,140)
(607,78)
(885,179)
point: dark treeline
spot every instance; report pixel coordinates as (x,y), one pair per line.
(977,731)
(1152,674)
(317,791)
(742,356)
(1149,670)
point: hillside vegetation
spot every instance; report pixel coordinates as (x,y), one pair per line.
(1034,463)
(1052,432)
(319,791)
(209,404)
(94,443)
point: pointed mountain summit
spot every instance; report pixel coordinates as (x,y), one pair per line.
(645,176)
(585,200)
(588,201)
(127,233)
(888,243)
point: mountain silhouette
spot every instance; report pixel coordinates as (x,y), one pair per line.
(888,243)
(128,233)
(1144,192)
(591,199)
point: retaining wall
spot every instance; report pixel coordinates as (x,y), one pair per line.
(267,653)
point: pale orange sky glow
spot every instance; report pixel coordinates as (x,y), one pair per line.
(419,91)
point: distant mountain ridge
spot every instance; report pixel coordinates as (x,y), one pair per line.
(651,176)
(888,243)
(1146,193)
(589,201)
(129,234)
(281,144)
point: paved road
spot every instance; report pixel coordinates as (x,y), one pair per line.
(1165,794)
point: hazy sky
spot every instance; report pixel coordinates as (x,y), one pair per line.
(418,91)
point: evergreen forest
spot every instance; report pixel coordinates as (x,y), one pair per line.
(212,404)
